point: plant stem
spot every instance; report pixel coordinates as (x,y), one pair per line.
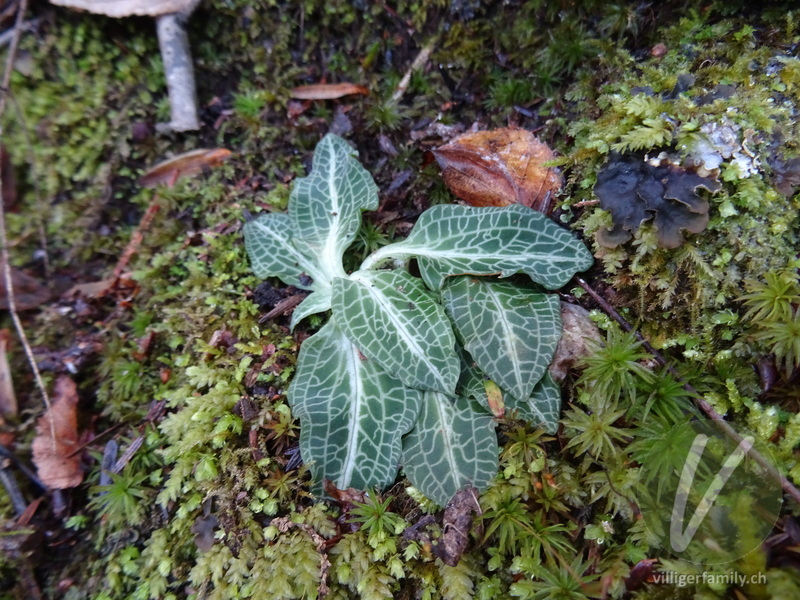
(177,57)
(381,256)
(418,63)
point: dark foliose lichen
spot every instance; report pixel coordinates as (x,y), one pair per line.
(635,190)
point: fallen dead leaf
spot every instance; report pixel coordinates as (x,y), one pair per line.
(500,167)
(57,437)
(456,525)
(28,292)
(577,330)
(327,91)
(188,163)
(8,400)
(347,498)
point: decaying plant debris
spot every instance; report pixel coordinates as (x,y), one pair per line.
(500,167)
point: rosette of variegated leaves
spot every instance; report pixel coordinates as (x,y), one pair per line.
(399,373)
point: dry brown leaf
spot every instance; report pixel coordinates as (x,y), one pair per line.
(126,8)
(456,525)
(347,498)
(188,163)
(499,167)
(52,455)
(577,333)
(8,400)
(327,91)
(28,292)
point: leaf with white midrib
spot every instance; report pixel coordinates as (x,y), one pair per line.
(451,446)
(543,408)
(457,240)
(471,380)
(317,302)
(325,207)
(509,331)
(396,321)
(268,241)
(352,414)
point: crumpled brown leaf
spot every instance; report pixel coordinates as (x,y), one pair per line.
(57,437)
(500,167)
(347,498)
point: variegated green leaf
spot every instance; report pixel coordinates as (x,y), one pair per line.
(317,302)
(268,241)
(510,332)
(470,382)
(325,207)
(542,408)
(457,240)
(352,414)
(394,320)
(450,447)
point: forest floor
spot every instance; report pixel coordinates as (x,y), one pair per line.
(143,314)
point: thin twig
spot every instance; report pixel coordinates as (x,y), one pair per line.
(8,35)
(37,189)
(4,257)
(23,468)
(612,312)
(418,63)
(701,403)
(136,238)
(12,489)
(283,307)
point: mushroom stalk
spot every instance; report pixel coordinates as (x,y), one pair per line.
(177,56)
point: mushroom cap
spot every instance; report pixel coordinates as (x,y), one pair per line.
(128,8)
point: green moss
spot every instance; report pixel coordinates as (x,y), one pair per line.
(559,517)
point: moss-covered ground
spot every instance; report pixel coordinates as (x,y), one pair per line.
(213,504)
